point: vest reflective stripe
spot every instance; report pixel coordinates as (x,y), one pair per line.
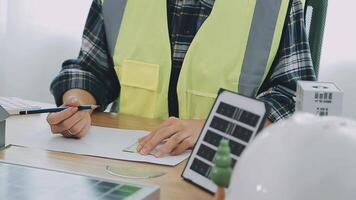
(113,12)
(220,56)
(259,46)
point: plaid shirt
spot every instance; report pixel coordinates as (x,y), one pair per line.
(93,70)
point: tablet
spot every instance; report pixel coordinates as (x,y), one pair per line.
(234,117)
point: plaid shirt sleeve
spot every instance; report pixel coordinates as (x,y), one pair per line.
(93,70)
(292,63)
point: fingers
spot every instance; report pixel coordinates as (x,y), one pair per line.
(81,128)
(142,141)
(172,143)
(162,125)
(183,146)
(67,123)
(181,134)
(160,135)
(85,130)
(56,118)
(78,127)
(67,134)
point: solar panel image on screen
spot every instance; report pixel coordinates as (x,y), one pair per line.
(233,117)
(21,182)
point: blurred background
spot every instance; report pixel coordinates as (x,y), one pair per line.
(36,36)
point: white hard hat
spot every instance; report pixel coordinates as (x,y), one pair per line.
(303,158)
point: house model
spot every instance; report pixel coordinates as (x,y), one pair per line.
(3,116)
(320,98)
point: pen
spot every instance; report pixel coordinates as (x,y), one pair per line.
(51,110)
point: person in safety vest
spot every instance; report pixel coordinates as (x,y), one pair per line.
(167,59)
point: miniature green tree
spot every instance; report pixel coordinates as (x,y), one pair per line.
(221,172)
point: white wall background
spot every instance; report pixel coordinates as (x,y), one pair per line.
(338,61)
(36,36)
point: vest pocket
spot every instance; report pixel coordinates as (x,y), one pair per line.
(200,103)
(139,85)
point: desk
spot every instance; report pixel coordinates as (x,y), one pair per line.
(172,185)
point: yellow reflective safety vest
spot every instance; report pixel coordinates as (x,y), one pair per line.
(234,49)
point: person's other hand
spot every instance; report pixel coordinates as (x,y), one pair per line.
(179,135)
(70,122)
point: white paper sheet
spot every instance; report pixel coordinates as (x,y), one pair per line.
(101,142)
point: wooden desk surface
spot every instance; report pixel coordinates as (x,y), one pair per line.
(172,185)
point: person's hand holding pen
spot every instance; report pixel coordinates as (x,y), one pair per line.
(71,122)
